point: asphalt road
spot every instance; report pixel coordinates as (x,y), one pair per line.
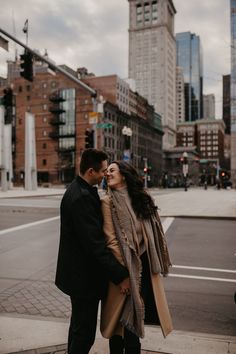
(200,288)
(202,282)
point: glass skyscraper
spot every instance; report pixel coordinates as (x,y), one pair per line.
(233,91)
(189,57)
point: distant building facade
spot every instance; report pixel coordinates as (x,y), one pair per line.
(152,59)
(3,82)
(208,137)
(180,99)
(209,106)
(189,57)
(62,110)
(233,91)
(226,103)
(227,118)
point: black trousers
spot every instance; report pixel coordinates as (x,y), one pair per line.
(82,330)
(130,344)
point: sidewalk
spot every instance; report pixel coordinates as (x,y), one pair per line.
(197,202)
(19,192)
(50,336)
(40,335)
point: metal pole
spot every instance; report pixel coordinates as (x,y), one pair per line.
(145,176)
(51,64)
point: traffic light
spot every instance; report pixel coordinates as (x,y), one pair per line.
(145,170)
(7,100)
(26,65)
(89,138)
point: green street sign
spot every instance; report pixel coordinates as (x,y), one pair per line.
(104,125)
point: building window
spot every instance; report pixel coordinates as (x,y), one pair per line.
(20,89)
(44,162)
(147,17)
(44,146)
(45,107)
(44,133)
(28,98)
(139,15)
(139,9)
(28,88)
(45,119)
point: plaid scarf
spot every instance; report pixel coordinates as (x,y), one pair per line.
(124,221)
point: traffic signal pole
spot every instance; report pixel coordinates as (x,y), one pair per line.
(145,175)
(51,65)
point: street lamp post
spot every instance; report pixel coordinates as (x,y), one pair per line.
(185,170)
(127,132)
(146,172)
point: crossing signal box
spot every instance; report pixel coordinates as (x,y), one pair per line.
(26,64)
(7,99)
(89,138)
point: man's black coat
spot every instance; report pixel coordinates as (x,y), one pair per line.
(84,262)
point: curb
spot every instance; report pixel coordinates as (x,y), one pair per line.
(207,217)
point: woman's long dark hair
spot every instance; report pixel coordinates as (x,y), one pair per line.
(141,201)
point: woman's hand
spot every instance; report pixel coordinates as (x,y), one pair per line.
(125,287)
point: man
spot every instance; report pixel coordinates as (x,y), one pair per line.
(84,263)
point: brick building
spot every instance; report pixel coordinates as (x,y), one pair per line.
(207,136)
(62,109)
(61,117)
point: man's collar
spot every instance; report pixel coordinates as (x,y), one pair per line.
(85,183)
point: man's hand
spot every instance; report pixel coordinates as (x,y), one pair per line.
(125,286)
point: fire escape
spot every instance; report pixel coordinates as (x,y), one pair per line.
(62,133)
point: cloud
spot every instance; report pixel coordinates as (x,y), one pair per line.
(94,34)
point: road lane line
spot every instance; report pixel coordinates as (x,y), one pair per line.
(202,278)
(24,226)
(166,223)
(207,269)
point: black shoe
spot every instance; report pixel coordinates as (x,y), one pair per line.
(116,345)
(133,350)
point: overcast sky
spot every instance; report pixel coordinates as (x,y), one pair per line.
(94,34)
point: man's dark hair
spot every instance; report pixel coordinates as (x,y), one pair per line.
(92,158)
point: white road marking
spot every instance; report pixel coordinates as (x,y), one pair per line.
(24,226)
(202,278)
(207,269)
(166,223)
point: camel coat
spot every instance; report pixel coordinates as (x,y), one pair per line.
(112,306)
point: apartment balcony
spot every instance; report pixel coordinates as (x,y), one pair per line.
(56,109)
(58,121)
(59,135)
(56,98)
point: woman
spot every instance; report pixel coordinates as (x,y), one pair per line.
(134,233)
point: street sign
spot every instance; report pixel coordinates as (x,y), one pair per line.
(93,117)
(104,125)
